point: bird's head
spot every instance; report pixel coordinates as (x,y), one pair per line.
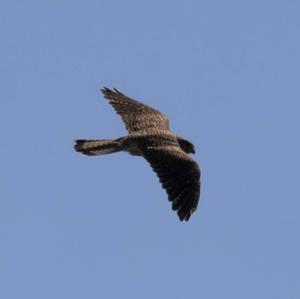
(186,145)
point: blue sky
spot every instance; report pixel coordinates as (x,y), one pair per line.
(227,75)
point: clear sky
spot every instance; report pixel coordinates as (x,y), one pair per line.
(227,75)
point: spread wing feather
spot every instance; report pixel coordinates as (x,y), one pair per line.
(135,115)
(179,175)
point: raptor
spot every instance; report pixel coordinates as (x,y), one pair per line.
(149,136)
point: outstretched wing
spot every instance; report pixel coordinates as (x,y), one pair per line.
(135,115)
(179,175)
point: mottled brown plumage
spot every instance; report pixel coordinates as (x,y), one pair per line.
(149,136)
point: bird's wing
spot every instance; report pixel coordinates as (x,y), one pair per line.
(135,115)
(179,175)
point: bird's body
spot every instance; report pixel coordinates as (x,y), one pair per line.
(149,136)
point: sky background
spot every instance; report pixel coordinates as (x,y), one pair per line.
(227,75)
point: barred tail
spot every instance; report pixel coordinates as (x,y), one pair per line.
(98,147)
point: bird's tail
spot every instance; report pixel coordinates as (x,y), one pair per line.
(98,147)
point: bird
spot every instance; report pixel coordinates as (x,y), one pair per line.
(150,136)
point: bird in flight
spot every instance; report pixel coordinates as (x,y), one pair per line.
(149,136)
